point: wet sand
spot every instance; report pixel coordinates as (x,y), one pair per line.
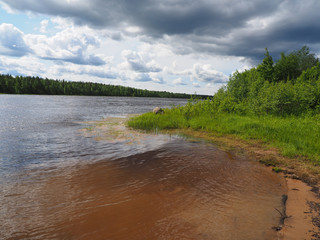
(301,212)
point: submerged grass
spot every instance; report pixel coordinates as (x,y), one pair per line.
(293,136)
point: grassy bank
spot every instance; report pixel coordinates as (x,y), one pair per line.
(276,104)
(294,137)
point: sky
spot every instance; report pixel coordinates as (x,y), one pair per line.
(182,46)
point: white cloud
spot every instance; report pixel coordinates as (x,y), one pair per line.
(178,81)
(206,73)
(156,49)
(61,23)
(26,65)
(44,25)
(12,42)
(95,71)
(196,84)
(157,78)
(70,45)
(7,8)
(242,69)
(141,77)
(133,30)
(136,62)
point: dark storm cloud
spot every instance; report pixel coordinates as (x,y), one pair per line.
(224,27)
(293,25)
(155,17)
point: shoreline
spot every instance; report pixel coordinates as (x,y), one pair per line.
(299,223)
(302,207)
(301,219)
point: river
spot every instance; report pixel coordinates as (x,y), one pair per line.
(57,181)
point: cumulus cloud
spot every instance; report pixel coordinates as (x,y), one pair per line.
(135,62)
(70,45)
(12,41)
(243,69)
(178,81)
(196,84)
(26,65)
(206,73)
(44,24)
(141,77)
(157,78)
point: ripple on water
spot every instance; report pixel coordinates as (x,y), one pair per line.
(183,190)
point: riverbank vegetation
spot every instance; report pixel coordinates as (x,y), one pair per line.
(35,85)
(275,103)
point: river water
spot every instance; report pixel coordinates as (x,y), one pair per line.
(58,182)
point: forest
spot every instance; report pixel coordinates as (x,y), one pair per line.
(36,85)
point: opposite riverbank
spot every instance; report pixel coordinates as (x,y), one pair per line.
(288,146)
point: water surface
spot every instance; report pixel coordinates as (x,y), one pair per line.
(43,130)
(58,183)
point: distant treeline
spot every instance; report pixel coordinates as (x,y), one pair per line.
(36,85)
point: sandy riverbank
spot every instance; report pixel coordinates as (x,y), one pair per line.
(302,211)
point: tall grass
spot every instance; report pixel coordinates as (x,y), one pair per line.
(294,136)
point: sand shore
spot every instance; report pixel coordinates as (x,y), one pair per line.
(302,209)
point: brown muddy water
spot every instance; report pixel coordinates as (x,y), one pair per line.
(183,190)
(62,177)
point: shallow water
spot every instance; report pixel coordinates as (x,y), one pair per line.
(160,187)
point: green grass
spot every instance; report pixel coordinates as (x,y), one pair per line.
(277,169)
(293,136)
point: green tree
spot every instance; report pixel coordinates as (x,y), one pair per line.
(292,65)
(266,68)
(306,59)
